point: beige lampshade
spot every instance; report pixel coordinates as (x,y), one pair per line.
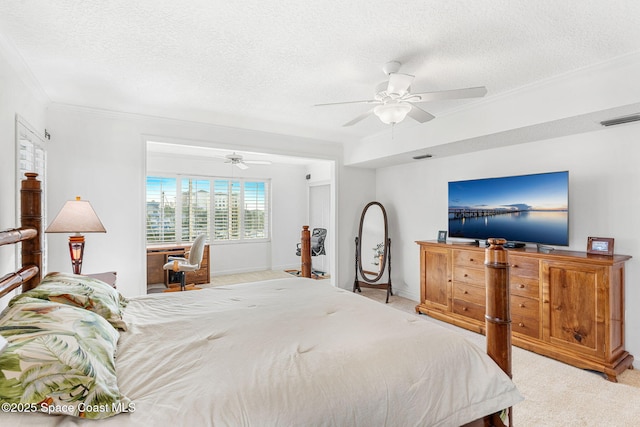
(76,216)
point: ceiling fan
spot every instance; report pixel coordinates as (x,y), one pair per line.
(394,101)
(238,160)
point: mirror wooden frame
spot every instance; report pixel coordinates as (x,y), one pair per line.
(362,279)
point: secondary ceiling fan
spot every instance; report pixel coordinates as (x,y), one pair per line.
(238,160)
(394,101)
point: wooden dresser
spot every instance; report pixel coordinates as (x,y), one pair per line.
(157,256)
(565,305)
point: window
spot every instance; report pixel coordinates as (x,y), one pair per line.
(227,216)
(196,202)
(31,156)
(161,209)
(238,210)
(255,214)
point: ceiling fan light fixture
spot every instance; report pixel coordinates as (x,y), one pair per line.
(392,112)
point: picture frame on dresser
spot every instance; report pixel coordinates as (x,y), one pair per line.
(600,245)
(442,236)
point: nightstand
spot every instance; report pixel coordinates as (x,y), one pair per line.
(108,277)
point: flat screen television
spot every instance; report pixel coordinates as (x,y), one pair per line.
(522,209)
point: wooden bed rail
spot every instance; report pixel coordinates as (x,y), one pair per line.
(13,280)
(29,234)
(9,237)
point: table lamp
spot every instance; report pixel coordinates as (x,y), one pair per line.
(76,216)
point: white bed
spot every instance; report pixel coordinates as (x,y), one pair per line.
(292,352)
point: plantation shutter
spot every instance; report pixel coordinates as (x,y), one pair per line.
(161,209)
(255,210)
(195,208)
(178,209)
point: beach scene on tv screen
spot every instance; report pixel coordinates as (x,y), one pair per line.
(526,208)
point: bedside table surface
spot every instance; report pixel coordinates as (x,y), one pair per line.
(108,277)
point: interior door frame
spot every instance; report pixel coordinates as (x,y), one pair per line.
(328,223)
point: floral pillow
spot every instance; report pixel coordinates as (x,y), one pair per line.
(59,360)
(80,291)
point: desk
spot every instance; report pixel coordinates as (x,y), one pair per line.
(157,257)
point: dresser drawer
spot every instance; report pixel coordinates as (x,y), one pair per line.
(468,258)
(524,286)
(526,307)
(469,309)
(524,267)
(466,292)
(469,275)
(525,326)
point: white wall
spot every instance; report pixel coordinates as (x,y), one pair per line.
(101,157)
(288,190)
(603,196)
(18,95)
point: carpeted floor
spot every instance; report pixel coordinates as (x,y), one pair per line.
(231,279)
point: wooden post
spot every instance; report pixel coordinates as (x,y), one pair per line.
(31,217)
(498,314)
(305,252)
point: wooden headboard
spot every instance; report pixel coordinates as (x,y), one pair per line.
(30,234)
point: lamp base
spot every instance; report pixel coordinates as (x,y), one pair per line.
(76,250)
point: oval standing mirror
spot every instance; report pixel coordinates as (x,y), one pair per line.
(373,249)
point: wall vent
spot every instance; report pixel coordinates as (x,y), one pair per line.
(621,120)
(422,156)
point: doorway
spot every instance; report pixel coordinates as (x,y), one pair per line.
(320,217)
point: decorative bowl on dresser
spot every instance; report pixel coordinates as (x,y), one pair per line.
(565,305)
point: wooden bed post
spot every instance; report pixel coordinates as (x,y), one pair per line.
(305,252)
(498,314)
(31,217)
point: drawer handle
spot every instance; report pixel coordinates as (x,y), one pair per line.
(466,275)
(514,265)
(471,259)
(521,305)
(464,308)
(521,324)
(465,292)
(520,286)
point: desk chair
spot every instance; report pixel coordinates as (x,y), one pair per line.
(190,262)
(317,247)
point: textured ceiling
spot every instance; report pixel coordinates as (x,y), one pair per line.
(262,64)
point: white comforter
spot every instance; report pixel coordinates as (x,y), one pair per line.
(292,352)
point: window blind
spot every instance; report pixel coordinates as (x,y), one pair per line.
(161,209)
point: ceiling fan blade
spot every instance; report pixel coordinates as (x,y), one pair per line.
(419,115)
(241,165)
(399,83)
(359,118)
(366,101)
(470,92)
(257,162)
